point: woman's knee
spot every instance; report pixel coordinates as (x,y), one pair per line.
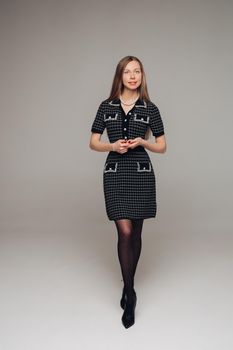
(127,231)
(125,228)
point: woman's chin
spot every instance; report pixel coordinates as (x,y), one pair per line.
(132,87)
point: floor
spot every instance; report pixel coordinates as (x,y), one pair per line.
(60,289)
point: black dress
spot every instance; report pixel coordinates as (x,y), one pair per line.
(129,179)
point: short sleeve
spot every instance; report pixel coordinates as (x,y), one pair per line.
(156,123)
(98,125)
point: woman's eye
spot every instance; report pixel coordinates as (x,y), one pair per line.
(127,72)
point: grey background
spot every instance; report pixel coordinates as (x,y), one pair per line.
(59,273)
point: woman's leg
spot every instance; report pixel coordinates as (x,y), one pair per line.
(129,249)
(126,254)
(137,241)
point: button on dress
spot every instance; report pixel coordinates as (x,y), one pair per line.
(128,179)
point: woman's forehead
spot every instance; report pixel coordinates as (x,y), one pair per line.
(132,65)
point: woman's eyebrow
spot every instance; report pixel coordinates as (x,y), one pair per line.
(133,69)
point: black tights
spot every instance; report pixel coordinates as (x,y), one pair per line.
(129,247)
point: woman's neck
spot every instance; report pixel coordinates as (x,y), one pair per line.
(129,95)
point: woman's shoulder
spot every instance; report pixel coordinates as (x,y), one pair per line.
(108,103)
(104,103)
(152,106)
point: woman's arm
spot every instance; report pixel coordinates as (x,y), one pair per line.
(159,146)
(96,144)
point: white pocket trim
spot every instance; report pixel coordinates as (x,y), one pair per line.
(142,169)
(110,117)
(138,118)
(113,169)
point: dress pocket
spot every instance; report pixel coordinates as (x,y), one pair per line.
(144,166)
(141,118)
(110,167)
(110,117)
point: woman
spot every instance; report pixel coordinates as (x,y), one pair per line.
(128,178)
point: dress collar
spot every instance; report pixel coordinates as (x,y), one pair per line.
(138,103)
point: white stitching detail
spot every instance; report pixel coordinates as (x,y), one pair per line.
(114,104)
(110,170)
(144,106)
(139,119)
(106,117)
(144,169)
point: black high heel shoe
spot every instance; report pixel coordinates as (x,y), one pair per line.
(123,299)
(128,317)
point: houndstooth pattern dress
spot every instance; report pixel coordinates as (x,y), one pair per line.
(129,179)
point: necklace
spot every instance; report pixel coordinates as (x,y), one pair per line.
(126,103)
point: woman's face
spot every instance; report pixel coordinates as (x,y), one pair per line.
(132,76)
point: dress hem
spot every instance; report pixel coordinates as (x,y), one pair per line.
(132,218)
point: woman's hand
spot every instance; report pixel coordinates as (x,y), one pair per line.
(120,146)
(159,146)
(138,141)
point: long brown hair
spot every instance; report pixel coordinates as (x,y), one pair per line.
(117,85)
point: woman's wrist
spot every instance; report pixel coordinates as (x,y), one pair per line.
(113,146)
(143,142)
